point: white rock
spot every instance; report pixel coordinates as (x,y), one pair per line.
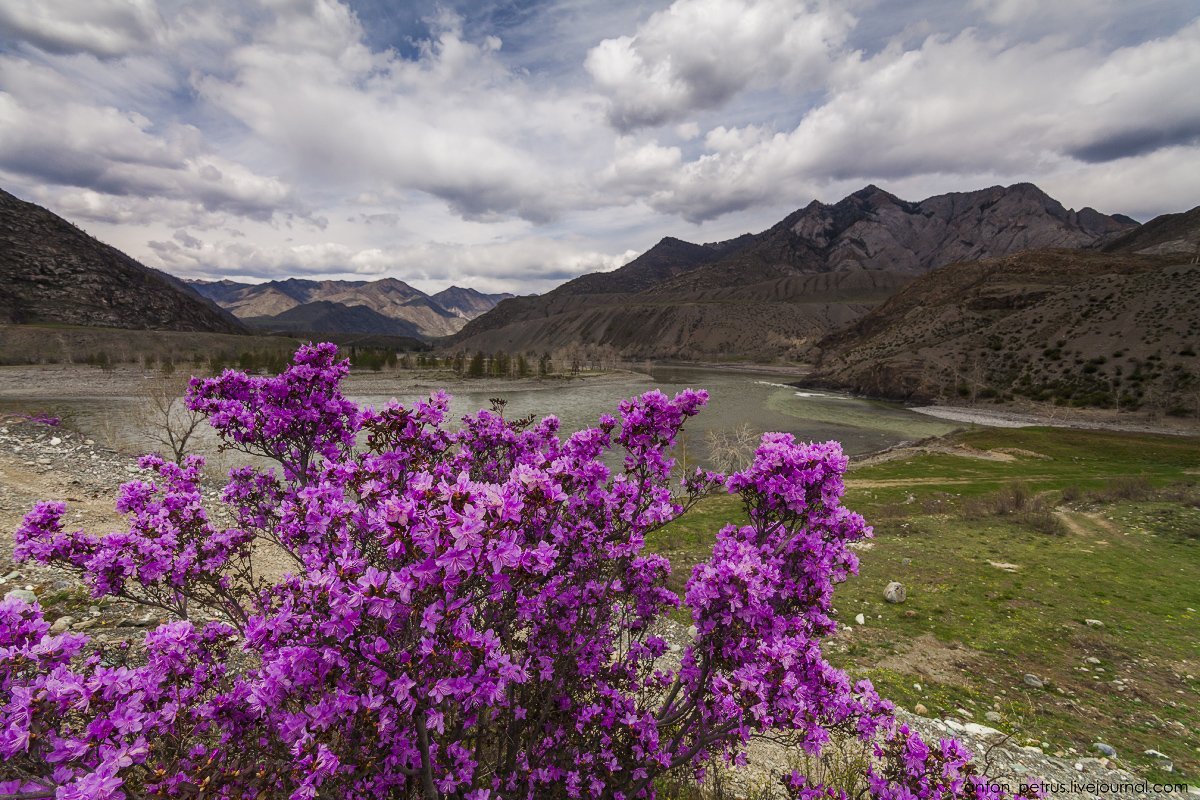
(21,594)
(55,442)
(62,624)
(895,592)
(981,730)
(860,619)
(1093,623)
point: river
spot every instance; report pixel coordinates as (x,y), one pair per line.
(105,405)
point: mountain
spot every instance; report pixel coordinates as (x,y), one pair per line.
(413,312)
(1170,234)
(326,316)
(467,303)
(775,293)
(51,271)
(1073,327)
(874,230)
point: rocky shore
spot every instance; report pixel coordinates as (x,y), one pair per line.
(39,461)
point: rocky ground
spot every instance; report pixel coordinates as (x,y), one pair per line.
(45,462)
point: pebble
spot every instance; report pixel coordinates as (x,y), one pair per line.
(1093,623)
(1092,660)
(920,708)
(1033,681)
(992,716)
(1106,749)
(62,624)
(860,619)
(24,595)
(55,441)
(895,592)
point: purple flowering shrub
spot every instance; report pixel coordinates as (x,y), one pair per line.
(466,614)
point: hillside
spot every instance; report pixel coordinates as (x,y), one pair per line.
(410,311)
(773,294)
(53,272)
(1070,327)
(1170,234)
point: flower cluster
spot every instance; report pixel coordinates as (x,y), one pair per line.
(468,613)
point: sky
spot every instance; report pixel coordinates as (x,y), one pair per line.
(509,145)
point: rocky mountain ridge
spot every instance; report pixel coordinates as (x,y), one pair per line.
(388,305)
(775,293)
(53,272)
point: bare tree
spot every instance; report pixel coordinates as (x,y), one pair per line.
(732,450)
(167,420)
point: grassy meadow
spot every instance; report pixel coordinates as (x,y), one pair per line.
(1005,561)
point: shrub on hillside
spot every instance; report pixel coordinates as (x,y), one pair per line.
(468,614)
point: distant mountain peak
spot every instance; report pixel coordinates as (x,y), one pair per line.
(871,193)
(334,306)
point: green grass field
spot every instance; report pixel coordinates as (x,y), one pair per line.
(1003,562)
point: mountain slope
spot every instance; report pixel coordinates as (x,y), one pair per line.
(755,296)
(326,316)
(1070,326)
(669,258)
(1170,234)
(51,271)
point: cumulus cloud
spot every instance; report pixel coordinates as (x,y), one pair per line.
(454,122)
(697,54)
(966,105)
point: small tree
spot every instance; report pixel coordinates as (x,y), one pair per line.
(168,420)
(731,450)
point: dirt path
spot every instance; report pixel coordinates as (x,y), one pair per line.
(853,483)
(1091,525)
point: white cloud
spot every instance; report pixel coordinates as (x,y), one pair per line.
(103,28)
(966,105)
(453,123)
(698,54)
(537,264)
